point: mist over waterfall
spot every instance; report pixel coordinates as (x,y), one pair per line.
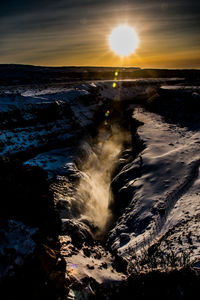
(94,186)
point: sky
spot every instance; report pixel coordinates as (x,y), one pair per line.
(76,32)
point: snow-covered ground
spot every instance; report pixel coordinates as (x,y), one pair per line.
(160,187)
(88,262)
(166,197)
(29,123)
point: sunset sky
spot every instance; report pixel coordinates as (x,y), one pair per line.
(76,32)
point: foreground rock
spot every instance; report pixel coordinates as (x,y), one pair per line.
(29,226)
(25,195)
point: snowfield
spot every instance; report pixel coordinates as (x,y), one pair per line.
(166,197)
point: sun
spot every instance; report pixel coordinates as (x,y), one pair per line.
(123,40)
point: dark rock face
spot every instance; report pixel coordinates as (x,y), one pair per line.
(178,106)
(130,166)
(28,233)
(78,231)
(25,195)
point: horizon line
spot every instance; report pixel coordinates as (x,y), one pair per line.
(86,66)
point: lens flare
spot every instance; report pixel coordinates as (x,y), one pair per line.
(123,40)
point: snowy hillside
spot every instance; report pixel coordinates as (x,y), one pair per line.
(165,198)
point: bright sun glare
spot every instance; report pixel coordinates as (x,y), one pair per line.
(123,40)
